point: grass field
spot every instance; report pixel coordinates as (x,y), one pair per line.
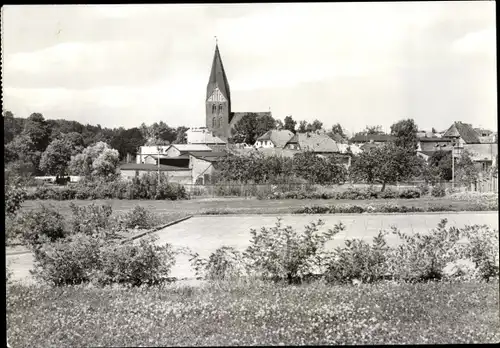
(173,210)
(254,314)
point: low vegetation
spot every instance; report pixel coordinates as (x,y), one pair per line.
(254,313)
(144,187)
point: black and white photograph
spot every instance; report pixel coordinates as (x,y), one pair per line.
(250,174)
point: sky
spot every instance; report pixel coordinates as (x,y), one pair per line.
(356,64)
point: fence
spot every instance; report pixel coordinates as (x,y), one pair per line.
(254,190)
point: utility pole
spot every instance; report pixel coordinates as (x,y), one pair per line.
(453,165)
(158,148)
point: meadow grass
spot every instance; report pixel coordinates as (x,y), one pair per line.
(253,313)
(173,210)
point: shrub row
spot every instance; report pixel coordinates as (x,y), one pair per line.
(81,258)
(389,208)
(277,253)
(46,224)
(281,253)
(350,194)
(144,187)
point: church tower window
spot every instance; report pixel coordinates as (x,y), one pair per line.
(213,122)
(213,108)
(220,108)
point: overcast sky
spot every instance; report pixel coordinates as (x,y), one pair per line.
(352,63)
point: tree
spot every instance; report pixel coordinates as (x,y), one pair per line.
(405,132)
(434,130)
(337,129)
(75,141)
(386,164)
(181,135)
(37,129)
(12,126)
(317,125)
(23,149)
(290,124)
(279,125)
(55,159)
(466,173)
(441,160)
(302,127)
(371,130)
(98,160)
(318,170)
(127,141)
(251,126)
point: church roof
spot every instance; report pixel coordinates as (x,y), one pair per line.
(234,117)
(218,77)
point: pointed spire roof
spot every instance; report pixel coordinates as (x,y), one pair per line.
(218,77)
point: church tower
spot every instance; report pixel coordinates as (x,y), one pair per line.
(218,100)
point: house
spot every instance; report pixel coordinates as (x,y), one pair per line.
(274,138)
(174,174)
(168,154)
(377,139)
(463,132)
(484,155)
(202,165)
(434,144)
(319,143)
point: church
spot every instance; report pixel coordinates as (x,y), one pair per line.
(220,119)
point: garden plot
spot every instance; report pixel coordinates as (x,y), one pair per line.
(204,234)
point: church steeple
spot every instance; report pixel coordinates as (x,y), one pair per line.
(218,99)
(218,77)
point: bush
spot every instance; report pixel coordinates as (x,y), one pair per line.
(428,256)
(44,192)
(68,261)
(148,187)
(409,194)
(15,195)
(283,254)
(354,193)
(225,263)
(140,218)
(90,219)
(388,194)
(424,189)
(135,264)
(360,261)
(438,191)
(37,226)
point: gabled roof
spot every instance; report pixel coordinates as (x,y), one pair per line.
(338,138)
(375,137)
(218,77)
(278,137)
(314,142)
(436,139)
(209,156)
(463,130)
(151,167)
(183,148)
(234,117)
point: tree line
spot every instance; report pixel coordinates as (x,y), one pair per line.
(38,146)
